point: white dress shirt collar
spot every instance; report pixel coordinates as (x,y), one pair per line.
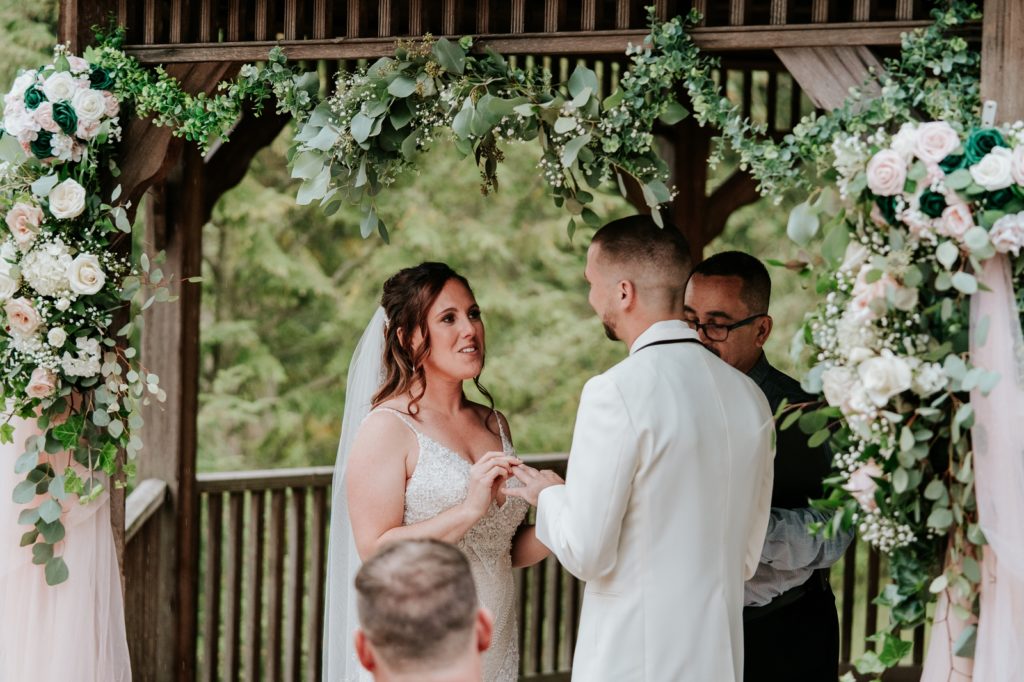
(662,331)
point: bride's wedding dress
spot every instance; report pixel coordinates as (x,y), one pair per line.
(74,630)
(440,481)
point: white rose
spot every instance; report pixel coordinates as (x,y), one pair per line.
(1007,235)
(856,255)
(887,172)
(21,124)
(56,337)
(22,317)
(42,383)
(905,141)
(956,220)
(862,485)
(837,384)
(935,141)
(20,85)
(993,171)
(78,65)
(1017,165)
(89,104)
(85,274)
(8,282)
(23,220)
(884,376)
(67,200)
(62,304)
(60,86)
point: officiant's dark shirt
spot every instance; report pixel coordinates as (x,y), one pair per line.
(799,469)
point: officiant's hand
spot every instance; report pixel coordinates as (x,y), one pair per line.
(486,477)
(534,481)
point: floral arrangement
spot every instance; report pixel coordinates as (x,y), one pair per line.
(66,283)
(375,126)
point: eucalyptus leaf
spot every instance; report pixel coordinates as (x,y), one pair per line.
(368,225)
(50,511)
(947,253)
(450,56)
(360,127)
(582,78)
(803,224)
(572,149)
(965,283)
(402,86)
(56,570)
(41,553)
(674,113)
(564,124)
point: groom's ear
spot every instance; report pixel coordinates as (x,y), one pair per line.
(626,294)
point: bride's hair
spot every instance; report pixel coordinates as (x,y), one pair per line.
(408,295)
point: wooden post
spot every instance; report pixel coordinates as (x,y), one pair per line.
(691,145)
(1002,57)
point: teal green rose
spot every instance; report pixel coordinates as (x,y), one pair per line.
(932,204)
(981,142)
(64,116)
(952,162)
(999,198)
(100,79)
(33,98)
(41,145)
(887,205)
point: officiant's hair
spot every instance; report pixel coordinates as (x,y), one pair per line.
(417,603)
(757,284)
(638,241)
(406,299)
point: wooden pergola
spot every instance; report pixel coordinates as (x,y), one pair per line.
(825,46)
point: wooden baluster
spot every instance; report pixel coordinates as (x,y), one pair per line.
(518,16)
(904,12)
(621,14)
(415,17)
(552,608)
(522,590)
(449,17)
(206,21)
(779,10)
(819,11)
(261,23)
(588,15)
(483,16)
(384,18)
(176,34)
(773,101)
(296,584)
(291,20)
(551,16)
(254,596)
(748,92)
(353,19)
(849,584)
(318,566)
(795,103)
(571,615)
(275,615)
(234,21)
(661,9)
(871,619)
(233,639)
(149,23)
(211,588)
(538,584)
(322,19)
(862,10)
(737,12)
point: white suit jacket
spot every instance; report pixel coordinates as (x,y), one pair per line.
(663,513)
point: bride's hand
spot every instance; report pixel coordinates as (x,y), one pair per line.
(486,477)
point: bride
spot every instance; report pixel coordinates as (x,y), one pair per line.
(419,460)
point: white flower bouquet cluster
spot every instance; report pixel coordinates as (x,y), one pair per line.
(916,213)
(65,279)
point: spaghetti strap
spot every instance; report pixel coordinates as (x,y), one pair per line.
(404,418)
(506,445)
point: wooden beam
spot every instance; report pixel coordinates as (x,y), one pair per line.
(826,74)
(1002,57)
(690,145)
(712,39)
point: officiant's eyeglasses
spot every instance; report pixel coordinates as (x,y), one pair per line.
(720,332)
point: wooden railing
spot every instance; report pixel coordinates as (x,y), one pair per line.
(262,565)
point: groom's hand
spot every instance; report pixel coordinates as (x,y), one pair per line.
(533,481)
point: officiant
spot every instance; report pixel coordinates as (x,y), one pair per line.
(791,628)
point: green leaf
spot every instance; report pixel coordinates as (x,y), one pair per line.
(959,179)
(56,488)
(402,86)
(572,149)
(833,248)
(818,438)
(965,283)
(811,422)
(41,553)
(893,650)
(450,56)
(29,537)
(69,432)
(570,229)
(940,519)
(28,517)
(6,433)
(564,124)
(50,511)
(790,420)
(947,254)
(52,532)
(24,492)
(26,462)
(900,480)
(971,569)
(360,127)
(368,225)
(869,664)
(674,113)
(935,490)
(400,115)
(56,570)
(965,643)
(581,79)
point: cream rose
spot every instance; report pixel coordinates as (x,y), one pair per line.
(935,141)
(884,376)
(1007,235)
(89,104)
(23,220)
(67,200)
(19,86)
(60,86)
(994,170)
(21,124)
(56,337)
(44,117)
(78,65)
(956,220)
(887,172)
(904,142)
(85,276)
(862,485)
(22,317)
(1017,165)
(42,383)
(838,383)
(9,283)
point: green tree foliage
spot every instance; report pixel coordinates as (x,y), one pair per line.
(28,31)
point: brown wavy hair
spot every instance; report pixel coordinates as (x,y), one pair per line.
(407,296)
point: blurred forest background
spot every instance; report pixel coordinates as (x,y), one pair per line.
(287,291)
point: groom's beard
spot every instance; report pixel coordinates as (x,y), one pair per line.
(609,331)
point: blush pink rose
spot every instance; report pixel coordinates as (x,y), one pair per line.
(862,485)
(87,129)
(935,141)
(956,220)
(78,65)
(22,317)
(44,117)
(1007,234)
(887,172)
(24,220)
(41,384)
(113,106)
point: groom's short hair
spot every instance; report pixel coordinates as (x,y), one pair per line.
(659,256)
(417,603)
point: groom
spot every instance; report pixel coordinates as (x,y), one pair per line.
(665,506)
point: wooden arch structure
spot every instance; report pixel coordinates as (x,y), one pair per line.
(824,46)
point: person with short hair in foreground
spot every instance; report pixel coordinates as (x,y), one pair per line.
(419,615)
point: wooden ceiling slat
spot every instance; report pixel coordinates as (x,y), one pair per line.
(772,96)
(177,26)
(149,23)
(904,10)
